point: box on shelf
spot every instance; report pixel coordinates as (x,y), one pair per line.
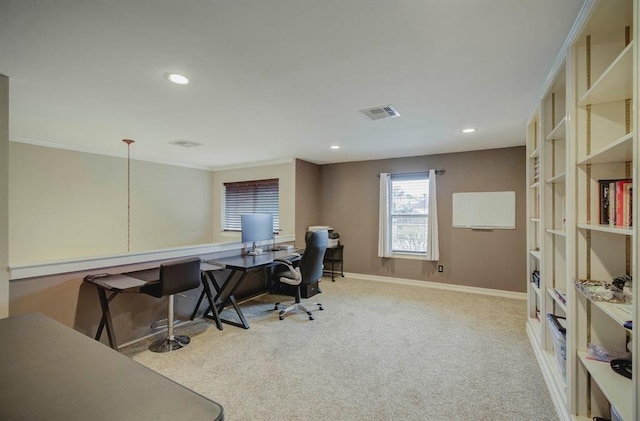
(603,291)
(559,331)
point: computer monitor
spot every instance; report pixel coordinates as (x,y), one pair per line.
(256,227)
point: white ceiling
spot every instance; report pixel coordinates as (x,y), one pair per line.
(275,79)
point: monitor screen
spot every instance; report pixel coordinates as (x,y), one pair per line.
(256,227)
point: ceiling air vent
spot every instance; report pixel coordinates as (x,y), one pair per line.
(377,113)
(185,143)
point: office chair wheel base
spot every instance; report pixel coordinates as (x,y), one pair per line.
(168,345)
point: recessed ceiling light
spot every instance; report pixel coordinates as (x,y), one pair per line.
(335,147)
(177,78)
(468,130)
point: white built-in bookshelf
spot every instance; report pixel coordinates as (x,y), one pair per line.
(582,175)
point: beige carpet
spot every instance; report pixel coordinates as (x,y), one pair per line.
(378,351)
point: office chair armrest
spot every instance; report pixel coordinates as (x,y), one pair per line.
(285,262)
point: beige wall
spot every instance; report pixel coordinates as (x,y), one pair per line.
(178,200)
(307,198)
(4,196)
(286,175)
(65,204)
(487,259)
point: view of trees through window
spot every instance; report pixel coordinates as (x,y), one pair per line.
(409,213)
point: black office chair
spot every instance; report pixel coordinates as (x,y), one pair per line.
(175,277)
(308,271)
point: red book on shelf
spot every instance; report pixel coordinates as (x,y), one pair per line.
(622,202)
(619,203)
(626,197)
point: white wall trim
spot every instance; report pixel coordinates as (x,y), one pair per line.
(438,285)
(89,263)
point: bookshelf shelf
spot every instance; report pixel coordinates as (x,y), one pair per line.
(607,228)
(559,298)
(619,313)
(559,132)
(535,153)
(536,220)
(535,253)
(559,233)
(560,178)
(535,185)
(620,150)
(615,84)
(615,387)
(535,289)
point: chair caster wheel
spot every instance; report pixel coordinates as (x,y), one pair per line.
(281,317)
(310,317)
(320,308)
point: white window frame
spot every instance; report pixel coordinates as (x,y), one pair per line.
(419,254)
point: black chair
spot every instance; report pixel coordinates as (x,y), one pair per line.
(308,271)
(175,277)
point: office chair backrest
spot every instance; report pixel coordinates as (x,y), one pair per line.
(311,261)
(179,276)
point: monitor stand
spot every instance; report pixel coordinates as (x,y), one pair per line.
(256,251)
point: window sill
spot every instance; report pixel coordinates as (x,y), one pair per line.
(409,256)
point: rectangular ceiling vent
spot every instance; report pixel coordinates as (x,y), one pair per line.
(185,143)
(376,113)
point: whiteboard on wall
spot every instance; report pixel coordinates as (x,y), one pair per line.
(484,210)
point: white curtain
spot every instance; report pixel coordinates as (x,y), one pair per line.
(433,249)
(384,242)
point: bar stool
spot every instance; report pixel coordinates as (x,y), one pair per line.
(175,277)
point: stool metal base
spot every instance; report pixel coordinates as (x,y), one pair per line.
(168,344)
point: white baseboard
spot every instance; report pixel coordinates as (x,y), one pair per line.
(438,285)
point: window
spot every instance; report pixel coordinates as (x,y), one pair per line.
(408,212)
(258,196)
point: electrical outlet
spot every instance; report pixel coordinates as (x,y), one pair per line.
(440,268)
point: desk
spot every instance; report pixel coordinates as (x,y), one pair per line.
(52,372)
(240,266)
(131,282)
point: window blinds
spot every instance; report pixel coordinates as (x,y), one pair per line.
(257,196)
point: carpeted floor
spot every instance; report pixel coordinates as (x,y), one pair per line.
(379,351)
